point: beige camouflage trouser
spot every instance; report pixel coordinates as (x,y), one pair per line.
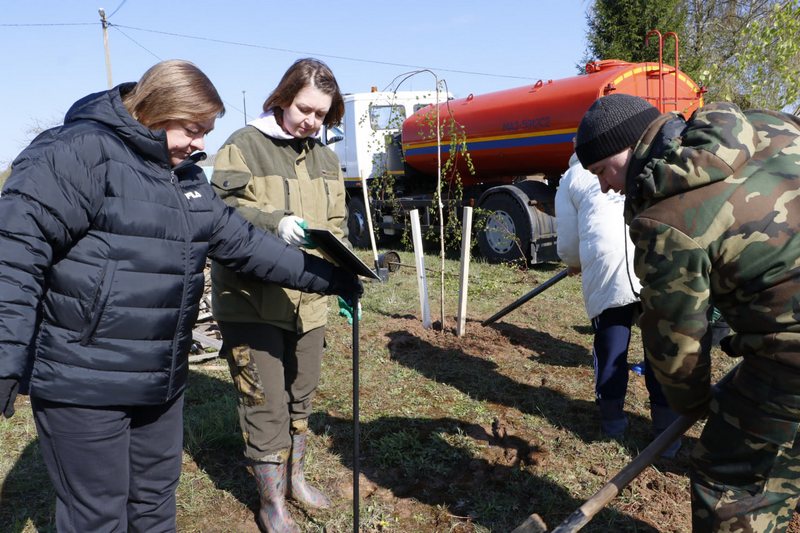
(746,474)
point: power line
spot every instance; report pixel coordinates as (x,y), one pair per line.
(52,24)
(299,52)
(118,8)
(272,48)
(140,45)
(134,41)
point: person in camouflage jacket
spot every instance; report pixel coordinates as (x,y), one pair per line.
(713,205)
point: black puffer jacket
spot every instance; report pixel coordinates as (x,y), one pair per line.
(102,250)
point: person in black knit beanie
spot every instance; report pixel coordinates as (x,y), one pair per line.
(611,124)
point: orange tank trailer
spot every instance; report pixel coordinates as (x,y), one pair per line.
(529,130)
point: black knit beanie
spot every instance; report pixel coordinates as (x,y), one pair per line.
(613,123)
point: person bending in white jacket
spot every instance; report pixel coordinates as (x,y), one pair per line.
(593,239)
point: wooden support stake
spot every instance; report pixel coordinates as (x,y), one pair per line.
(419,260)
(463,287)
(365,191)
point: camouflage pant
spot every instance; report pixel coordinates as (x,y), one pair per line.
(276,373)
(746,474)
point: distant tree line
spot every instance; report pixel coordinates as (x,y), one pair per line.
(744,51)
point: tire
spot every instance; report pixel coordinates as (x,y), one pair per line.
(506,234)
(357,227)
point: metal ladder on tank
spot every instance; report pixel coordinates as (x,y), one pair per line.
(663,101)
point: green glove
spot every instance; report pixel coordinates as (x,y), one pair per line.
(309,241)
(346,310)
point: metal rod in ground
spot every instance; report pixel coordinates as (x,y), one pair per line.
(535,292)
(365,191)
(356,428)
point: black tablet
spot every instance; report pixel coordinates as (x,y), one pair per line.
(338,253)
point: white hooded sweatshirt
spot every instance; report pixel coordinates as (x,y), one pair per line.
(592,235)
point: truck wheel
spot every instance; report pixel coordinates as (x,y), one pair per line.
(506,234)
(357,227)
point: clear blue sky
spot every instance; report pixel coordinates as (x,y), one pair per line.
(52,50)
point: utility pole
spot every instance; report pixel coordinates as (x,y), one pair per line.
(105,45)
(244,108)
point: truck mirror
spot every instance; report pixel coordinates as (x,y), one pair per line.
(332,135)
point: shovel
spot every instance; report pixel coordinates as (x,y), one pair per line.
(524,298)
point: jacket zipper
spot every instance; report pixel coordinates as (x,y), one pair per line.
(99,302)
(186,253)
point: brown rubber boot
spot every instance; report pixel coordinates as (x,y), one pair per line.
(299,490)
(273,517)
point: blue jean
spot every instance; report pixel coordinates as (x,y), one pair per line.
(113,468)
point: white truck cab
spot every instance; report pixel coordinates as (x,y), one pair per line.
(369,118)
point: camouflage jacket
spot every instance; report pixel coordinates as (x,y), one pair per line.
(265,179)
(713,206)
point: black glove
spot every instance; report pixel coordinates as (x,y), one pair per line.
(345,284)
(324,277)
(8,394)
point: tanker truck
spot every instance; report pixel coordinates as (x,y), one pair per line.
(518,140)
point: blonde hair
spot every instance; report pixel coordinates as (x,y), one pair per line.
(303,73)
(173,90)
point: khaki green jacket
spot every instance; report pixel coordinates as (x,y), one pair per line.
(266,179)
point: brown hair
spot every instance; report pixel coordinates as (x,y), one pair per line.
(303,73)
(173,90)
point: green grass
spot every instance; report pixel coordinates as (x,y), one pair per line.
(458,434)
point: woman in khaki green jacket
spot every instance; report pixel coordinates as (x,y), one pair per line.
(277,174)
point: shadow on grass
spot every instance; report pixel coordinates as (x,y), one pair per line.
(479,378)
(213,439)
(477,477)
(584,329)
(430,460)
(27,494)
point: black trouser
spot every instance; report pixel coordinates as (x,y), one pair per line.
(113,468)
(612,335)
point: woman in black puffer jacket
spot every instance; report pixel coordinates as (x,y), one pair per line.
(105,226)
